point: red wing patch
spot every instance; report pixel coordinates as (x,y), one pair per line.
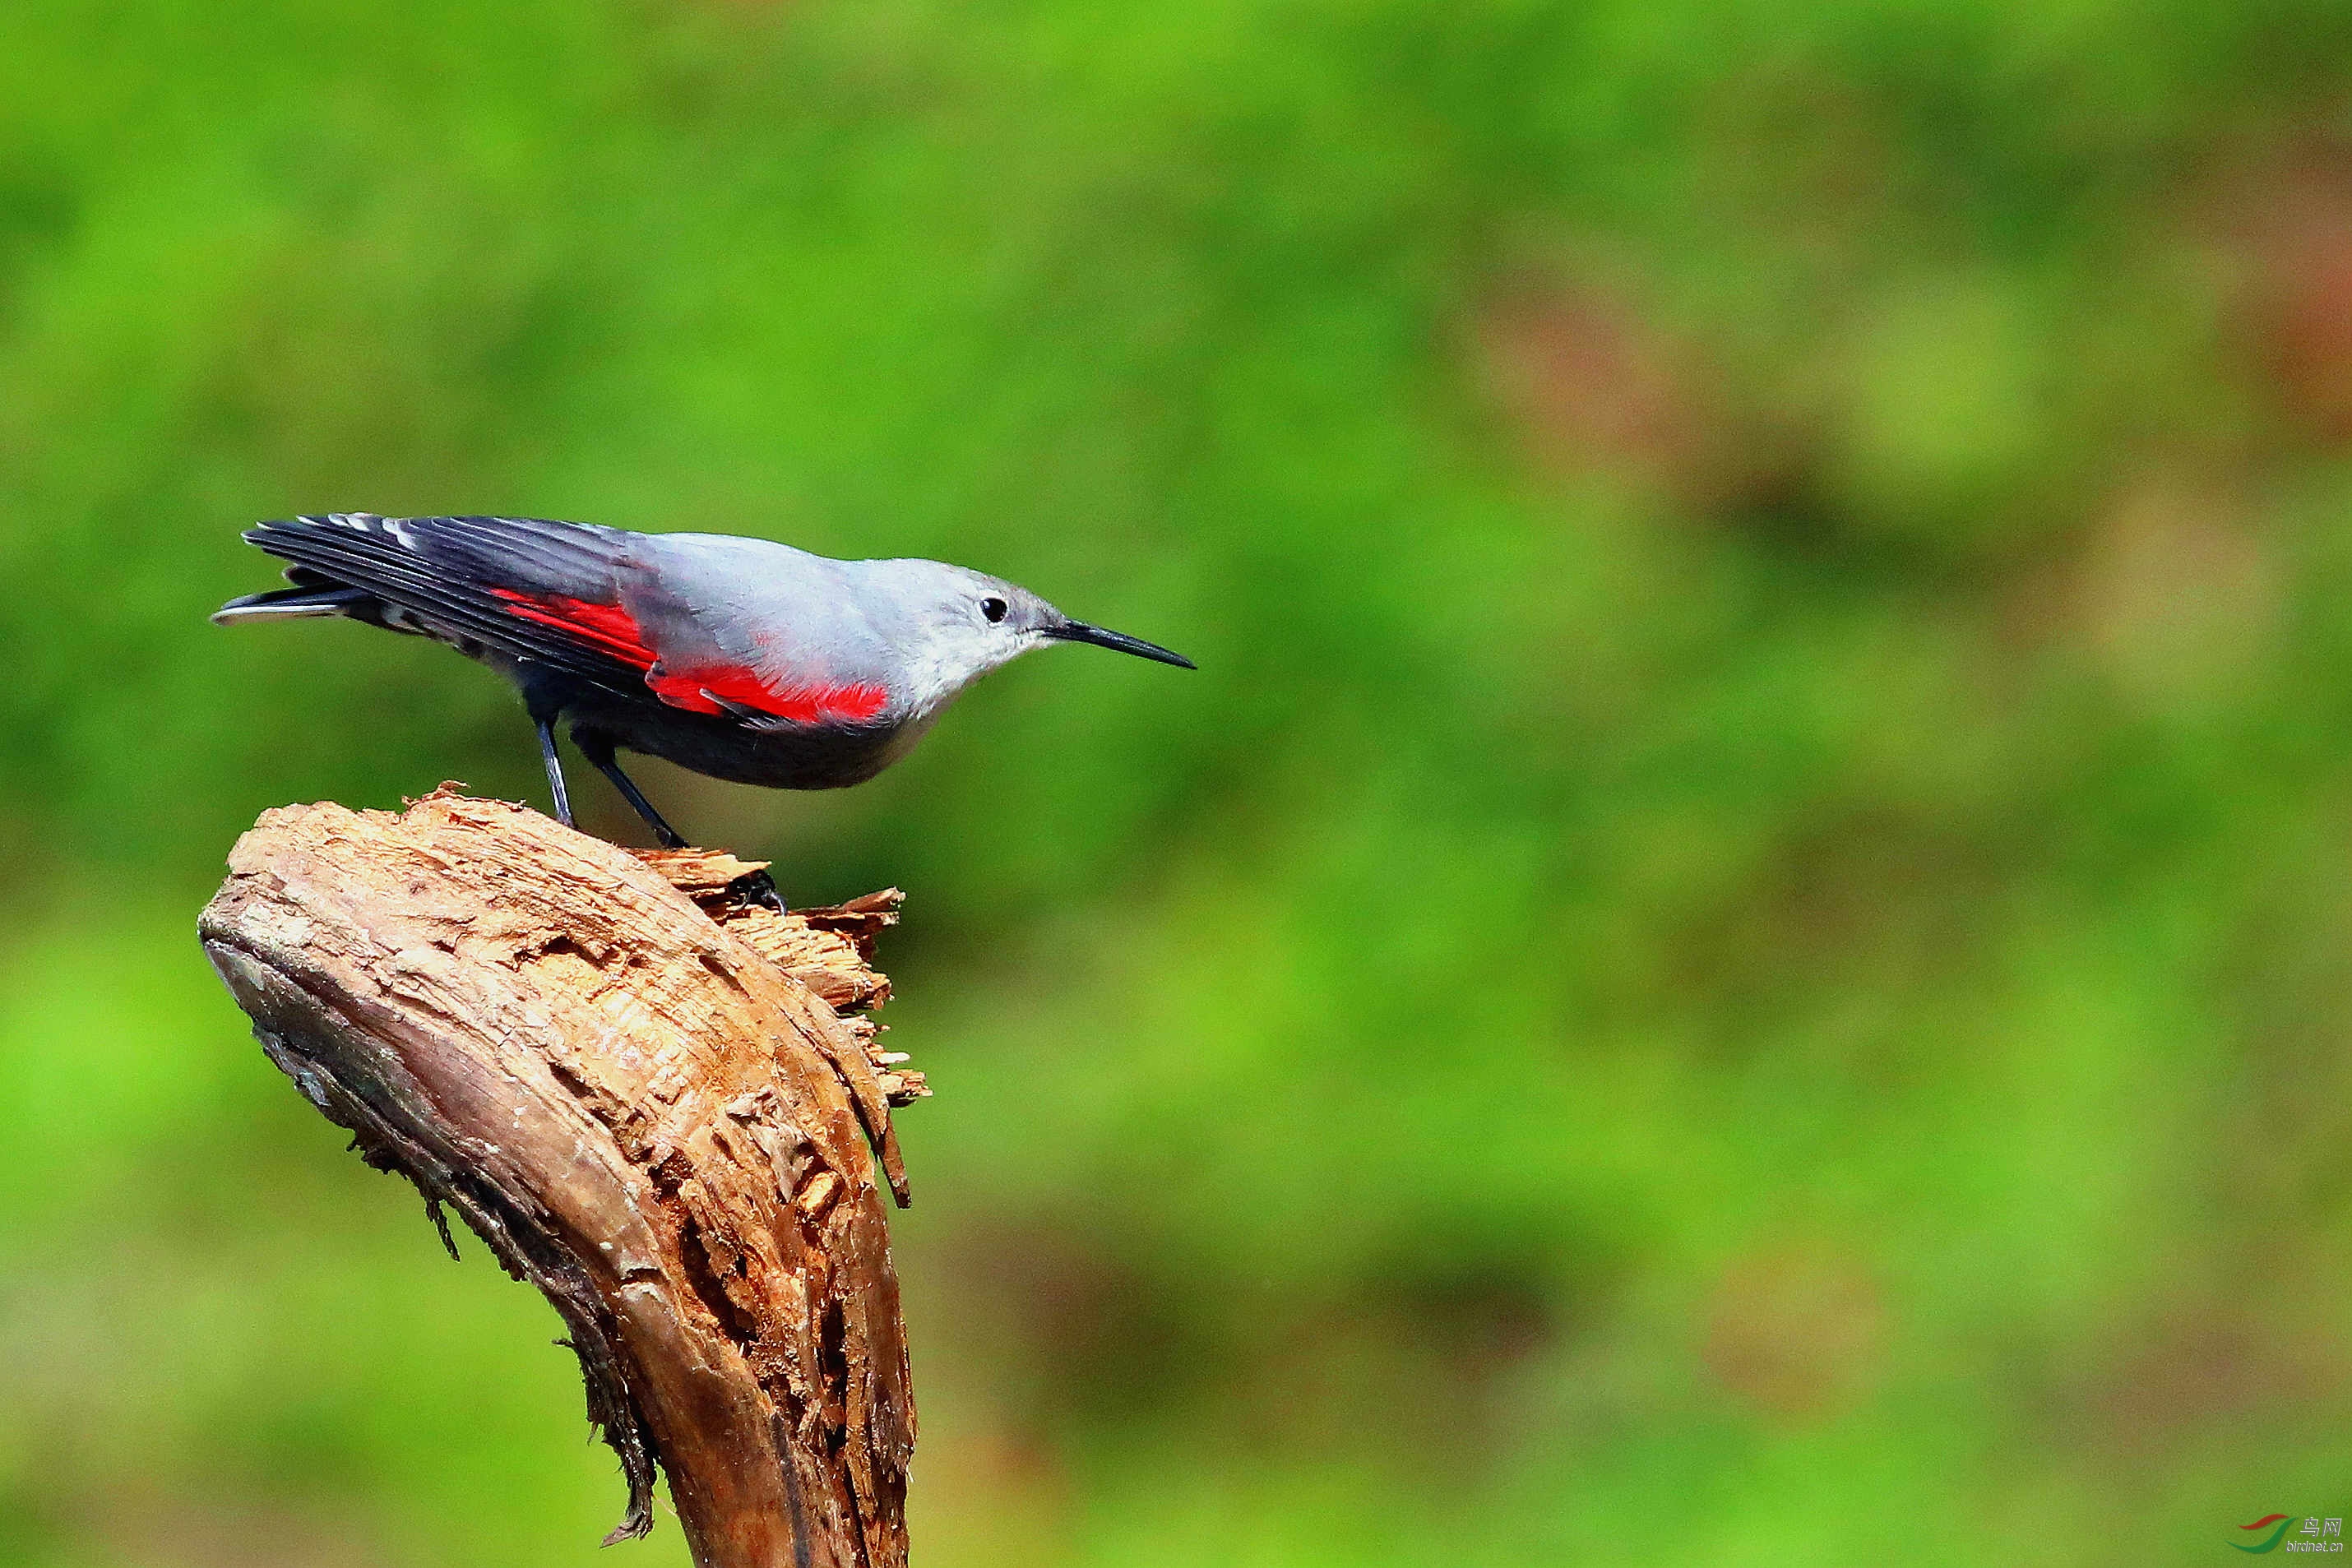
(606,628)
(702,690)
(611,629)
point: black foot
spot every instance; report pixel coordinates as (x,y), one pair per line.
(757,887)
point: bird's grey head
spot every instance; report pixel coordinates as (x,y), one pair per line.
(954,625)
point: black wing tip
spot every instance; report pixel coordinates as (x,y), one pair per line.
(313,519)
(452,526)
(306,522)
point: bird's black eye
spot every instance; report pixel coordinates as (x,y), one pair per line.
(993,609)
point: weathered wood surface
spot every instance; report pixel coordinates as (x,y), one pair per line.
(639,1092)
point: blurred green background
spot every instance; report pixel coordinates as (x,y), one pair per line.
(1741,949)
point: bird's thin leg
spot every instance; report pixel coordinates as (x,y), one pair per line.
(597,749)
(554,772)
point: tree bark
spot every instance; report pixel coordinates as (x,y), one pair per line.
(639,1089)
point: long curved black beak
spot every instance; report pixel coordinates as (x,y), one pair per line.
(1079,632)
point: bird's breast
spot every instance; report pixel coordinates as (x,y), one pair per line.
(824,754)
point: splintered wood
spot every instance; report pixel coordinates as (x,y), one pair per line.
(830,951)
(644,1095)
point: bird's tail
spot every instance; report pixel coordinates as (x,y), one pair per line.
(291,604)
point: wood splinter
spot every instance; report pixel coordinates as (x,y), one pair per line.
(644,1094)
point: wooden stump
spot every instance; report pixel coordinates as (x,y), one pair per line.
(641,1091)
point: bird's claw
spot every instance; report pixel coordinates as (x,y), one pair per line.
(757,887)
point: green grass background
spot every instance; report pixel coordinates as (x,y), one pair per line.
(1741,950)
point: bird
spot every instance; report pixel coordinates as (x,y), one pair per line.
(737,657)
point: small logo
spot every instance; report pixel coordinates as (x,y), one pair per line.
(2269,1542)
(2314,1533)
